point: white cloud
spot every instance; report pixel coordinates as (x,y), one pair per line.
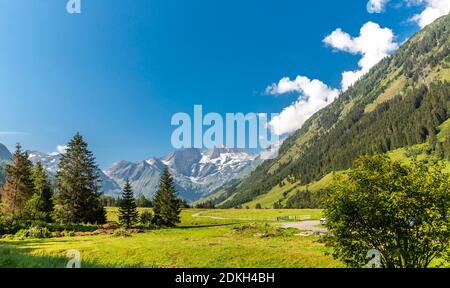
(61,149)
(314,95)
(433,10)
(374,43)
(376,6)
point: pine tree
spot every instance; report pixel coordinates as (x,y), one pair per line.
(166,203)
(40,206)
(128,214)
(18,187)
(78,199)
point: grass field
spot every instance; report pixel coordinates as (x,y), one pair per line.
(227,240)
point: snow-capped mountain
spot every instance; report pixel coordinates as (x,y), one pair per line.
(4,153)
(196,173)
(51,161)
(211,168)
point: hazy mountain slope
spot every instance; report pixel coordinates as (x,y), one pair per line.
(4,153)
(400,102)
(143,175)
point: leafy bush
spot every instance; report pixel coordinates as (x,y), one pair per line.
(10,224)
(68,233)
(72,227)
(121,233)
(146,217)
(35,232)
(401,210)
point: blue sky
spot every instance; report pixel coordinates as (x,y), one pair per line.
(118,71)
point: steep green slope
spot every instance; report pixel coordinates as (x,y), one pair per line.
(282,193)
(401,102)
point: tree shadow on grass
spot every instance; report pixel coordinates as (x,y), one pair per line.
(206,226)
(12,256)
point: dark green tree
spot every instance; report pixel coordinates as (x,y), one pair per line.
(18,187)
(40,206)
(128,214)
(167,206)
(78,197)
(400,210)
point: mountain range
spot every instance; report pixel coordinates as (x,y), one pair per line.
(197,173)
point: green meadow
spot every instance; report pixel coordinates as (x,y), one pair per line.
(204,238)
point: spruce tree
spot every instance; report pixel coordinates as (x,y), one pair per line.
(128,214)
(78,198)
(40,206)
(166,203)
(18,187)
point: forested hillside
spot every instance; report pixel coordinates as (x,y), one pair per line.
(401,102)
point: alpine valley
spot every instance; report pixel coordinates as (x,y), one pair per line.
(400,108)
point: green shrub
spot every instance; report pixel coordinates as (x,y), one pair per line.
(72,227)
(146,217)
(68,233)
(10,225)
(35,232)
(121,233)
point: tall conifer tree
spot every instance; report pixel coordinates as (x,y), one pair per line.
(167,206)
(40,206)
(128,214)
(78,189)
(18,187)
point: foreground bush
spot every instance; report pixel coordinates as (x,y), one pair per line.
(33,233)
(401,210)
